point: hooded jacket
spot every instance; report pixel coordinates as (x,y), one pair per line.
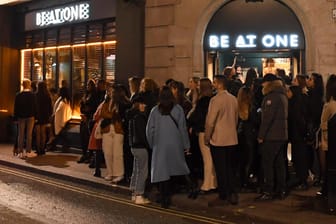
(274,113)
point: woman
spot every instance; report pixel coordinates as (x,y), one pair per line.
(44,111)
(197,122)
(139,148)
(247,131)
(167,136)
(113,137)
(88,107)
(329,110)
(193,92)
(297,117)
(62,114)
(315,105)
(177,89)
(328,127)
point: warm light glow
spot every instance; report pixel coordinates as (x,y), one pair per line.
(63,46)
(110,42)
(22,64)
(49,48)
(96,43)
(38,49)
(3,111)
(4,2)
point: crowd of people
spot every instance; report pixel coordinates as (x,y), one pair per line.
(229,135)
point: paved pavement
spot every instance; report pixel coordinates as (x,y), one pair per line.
(301,207)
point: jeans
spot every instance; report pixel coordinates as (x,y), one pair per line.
(140,170)
(26,126)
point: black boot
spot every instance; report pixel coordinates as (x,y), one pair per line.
(97,173)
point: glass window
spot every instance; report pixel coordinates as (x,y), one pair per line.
(51,37)
(109,63)
(50,63)
(64,36)
(94,56)
(78,77)
(95,32)
(38,65)
(64,65)
(110,31)
(26,56)
(79,34)
(38,39)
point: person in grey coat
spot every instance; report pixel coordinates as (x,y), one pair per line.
(272,137)
(167,136)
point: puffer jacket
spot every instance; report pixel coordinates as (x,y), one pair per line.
(274,113)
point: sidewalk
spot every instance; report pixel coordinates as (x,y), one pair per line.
(300,207)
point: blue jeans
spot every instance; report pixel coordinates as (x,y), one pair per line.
(140,170)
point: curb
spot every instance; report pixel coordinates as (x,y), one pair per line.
(113,188)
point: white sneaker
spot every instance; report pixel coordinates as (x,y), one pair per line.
(140,200)
(108,178)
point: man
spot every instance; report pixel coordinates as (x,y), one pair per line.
(272,137)
(25,110)
(221,135)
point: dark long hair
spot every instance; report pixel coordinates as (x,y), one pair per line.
(331,88)
(166,100)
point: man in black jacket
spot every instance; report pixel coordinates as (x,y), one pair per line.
(272,137)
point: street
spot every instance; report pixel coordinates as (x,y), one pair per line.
(30,198)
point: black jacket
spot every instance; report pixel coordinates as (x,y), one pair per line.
(25,105)
(137,129)
(274,113)
(198,116)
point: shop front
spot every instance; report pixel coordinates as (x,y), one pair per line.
(263,35)
(70,43)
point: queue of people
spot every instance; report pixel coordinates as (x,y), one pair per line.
(225,136)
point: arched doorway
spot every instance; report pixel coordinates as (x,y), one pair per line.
(252,31)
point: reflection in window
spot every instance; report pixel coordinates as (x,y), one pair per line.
(94,53)
(38,65)
(50,62)
(64,65)
(78,77)
(109,63)
(26,56)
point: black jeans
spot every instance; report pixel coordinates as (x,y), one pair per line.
(300,157)
(225,160)
(274,168)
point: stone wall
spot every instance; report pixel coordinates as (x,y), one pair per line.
(174,33)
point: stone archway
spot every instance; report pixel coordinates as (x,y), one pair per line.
(210,10)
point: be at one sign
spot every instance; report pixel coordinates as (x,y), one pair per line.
(250,41)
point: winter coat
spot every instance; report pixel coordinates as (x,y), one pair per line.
(137,129)
(329,110)
(25,105)
(62,114)
(168,142)
(222,120)
(197,117)
(297,115)
(274,113)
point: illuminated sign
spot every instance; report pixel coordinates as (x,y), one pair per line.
(252,41)
(63,14)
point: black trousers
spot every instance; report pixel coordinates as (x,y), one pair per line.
(84,136)
(225,160)
(274,168)
(300,157)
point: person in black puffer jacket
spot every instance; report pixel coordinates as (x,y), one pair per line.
(137,121)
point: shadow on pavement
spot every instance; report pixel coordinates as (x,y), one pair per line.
(59,161)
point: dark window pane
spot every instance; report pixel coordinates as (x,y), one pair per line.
(51,38)
(64,36)
(79,34)
(95,32)
(110,31)
(26,60)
